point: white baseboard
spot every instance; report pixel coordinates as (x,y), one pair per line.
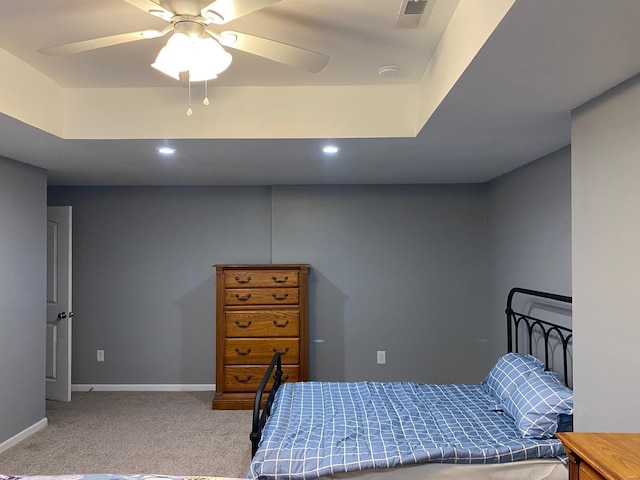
(27,432)
(198,387)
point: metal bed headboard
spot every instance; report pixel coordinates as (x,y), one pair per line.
(532,324)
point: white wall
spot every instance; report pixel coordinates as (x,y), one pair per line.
(606,260)
(23,268)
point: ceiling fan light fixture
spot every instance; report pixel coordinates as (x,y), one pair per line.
(166,67)
(208,60)
(171,59)
(203,57)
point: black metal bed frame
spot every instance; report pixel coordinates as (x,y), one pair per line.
(532,324)
(259,419)
(514,319)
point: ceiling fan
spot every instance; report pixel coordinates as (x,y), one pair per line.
(189,20)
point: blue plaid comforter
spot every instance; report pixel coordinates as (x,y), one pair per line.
(322,428)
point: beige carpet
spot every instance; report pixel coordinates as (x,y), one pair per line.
(163,433)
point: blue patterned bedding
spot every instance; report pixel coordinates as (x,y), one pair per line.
(104,476)
(322,428)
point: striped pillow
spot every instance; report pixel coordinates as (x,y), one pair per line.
(536,404)
(507,372)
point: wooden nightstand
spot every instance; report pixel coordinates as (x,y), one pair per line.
(597,456)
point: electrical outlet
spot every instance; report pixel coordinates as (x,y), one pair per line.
(381,357)
(100,355)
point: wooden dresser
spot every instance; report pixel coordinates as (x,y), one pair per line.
(597,456)
(260,309)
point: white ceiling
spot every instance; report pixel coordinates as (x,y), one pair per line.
(96,118)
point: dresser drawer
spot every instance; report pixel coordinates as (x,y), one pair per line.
(262,323)
(247,379)
(261,296)
(239,351)
(588,473)
(265,278)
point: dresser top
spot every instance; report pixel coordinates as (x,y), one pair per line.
(263,266)
(613,455)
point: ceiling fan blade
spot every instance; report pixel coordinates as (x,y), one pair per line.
(224,11)
(277,51)
(153,8)
(78,47)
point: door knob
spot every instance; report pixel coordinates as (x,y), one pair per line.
(70,314)
(62,315)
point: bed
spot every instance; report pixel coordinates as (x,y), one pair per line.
(104,476)
(503,427)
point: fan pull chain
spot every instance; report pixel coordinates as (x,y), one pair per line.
(189,111)
(206,97)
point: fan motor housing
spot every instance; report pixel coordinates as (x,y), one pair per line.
(190,26)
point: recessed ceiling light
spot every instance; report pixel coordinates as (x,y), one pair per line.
(330,149)
(166,150)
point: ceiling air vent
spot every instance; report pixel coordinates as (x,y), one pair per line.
(411,13)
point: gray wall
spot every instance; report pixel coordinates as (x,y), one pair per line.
(413,270)
(23,266)
(394,268)
(606,260)
(143,280)
(529,237)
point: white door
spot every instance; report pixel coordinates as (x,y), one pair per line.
(59,313)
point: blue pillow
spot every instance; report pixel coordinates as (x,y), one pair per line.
(555,377)
(536,404)
(565,423)
(507,372)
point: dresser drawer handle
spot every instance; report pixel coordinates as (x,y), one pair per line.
(243,325)
(283,378)
(243,299)
(280,281)
(243,281)
(242,380)
(243,353)
(275,295)
(281,325)
(283,352)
